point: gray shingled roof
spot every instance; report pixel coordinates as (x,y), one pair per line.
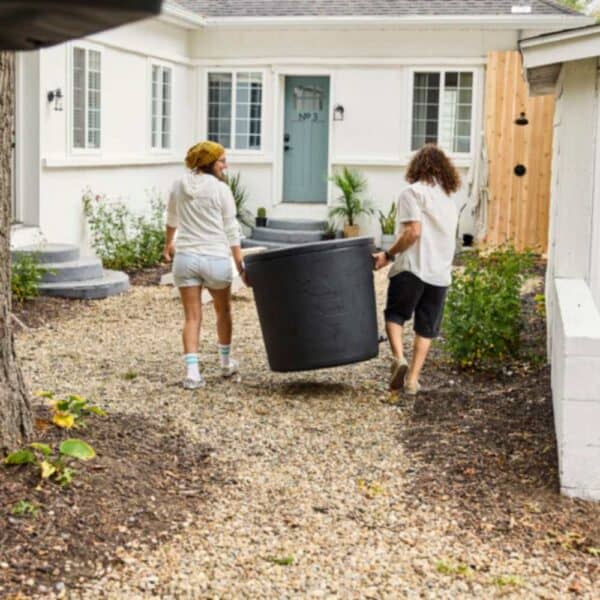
(331,8)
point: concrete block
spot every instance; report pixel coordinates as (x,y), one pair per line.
(579,468)
(580,378)
(580,425)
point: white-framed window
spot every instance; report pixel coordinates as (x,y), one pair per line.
(235,109)
(161,99)
(87,98)
(442,110)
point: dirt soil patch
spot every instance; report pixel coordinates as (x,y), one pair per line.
(145,483)
(150,276)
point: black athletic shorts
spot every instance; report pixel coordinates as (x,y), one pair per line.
(407,294)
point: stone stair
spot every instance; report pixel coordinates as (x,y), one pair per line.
(284,233)
(70,276)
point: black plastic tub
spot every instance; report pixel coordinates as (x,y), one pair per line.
(316,304)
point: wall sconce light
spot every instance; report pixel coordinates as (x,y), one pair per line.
(56,96)
(338,112)
(522,120)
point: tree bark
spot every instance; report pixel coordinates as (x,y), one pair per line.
(15,408)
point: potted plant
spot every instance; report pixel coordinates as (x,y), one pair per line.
(329,231)
(351,205)
(261,217)
(388,227)
(240,195)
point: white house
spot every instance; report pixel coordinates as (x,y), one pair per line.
(568,64)
(293,89)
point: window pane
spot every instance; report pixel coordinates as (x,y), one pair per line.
(94,99)
(426,93)
(456,111)
(78,98)
(248,111)
(220,87)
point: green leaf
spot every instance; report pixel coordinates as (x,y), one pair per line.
(20,457)
(43,448)
(284,561)
(77,449)
(97,411)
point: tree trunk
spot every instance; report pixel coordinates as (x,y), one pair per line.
(15,409)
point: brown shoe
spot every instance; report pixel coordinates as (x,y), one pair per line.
(399,369)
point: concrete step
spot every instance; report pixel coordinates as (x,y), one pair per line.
(75,270)
(250,243)
(49,253)
(286,236)
(297,224)
(110,284)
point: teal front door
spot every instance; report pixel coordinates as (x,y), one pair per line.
(306,139)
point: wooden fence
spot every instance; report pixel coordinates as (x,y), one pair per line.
(518,208)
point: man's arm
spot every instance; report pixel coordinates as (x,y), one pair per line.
(410,234)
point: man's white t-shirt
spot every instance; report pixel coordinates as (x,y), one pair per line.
(430,257)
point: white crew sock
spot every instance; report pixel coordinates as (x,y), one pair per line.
(224,352)
(191,364)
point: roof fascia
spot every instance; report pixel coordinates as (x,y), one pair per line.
(176,15)
(515,22)
(560,47)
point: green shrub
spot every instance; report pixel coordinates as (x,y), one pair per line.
(483,311)
(26,276)
(261,212)
(122,239)
(240,195)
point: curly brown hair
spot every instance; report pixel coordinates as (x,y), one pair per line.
(432,166)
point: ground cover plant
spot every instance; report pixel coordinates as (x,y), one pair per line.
(26,275)
(122,239)
(483,318)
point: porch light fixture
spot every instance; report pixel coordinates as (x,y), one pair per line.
(338,112)
(522,120)
(56,96)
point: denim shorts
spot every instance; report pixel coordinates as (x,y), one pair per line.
(213,272)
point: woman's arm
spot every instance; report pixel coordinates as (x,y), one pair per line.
(169,249)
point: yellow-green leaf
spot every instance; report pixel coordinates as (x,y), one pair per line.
(63,420)
(43,448)
(44,394)
(20,457)
(77,449)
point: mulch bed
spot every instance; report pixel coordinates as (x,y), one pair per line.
(150,276)
(145,482)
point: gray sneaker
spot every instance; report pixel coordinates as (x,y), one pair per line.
(398,373)
(412,389)
(193,384)
(231,369)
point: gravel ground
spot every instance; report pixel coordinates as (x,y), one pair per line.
(314,496)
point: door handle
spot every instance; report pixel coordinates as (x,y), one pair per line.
(286,148)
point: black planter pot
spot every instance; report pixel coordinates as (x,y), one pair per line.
(261,221)
(316,304)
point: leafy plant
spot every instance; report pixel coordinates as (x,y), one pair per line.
(352,184)
(130,375)
(483,316)
(122,239)
(284,561)
(446,567)
(388,222)
(240,195)
(52,465)
(26,276)
(261,213)
(508,580)
(69,412)
(23,508)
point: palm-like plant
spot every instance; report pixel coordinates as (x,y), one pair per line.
(352,184)
(240,195)
(388,222)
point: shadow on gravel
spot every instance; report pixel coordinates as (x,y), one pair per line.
(145,481)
